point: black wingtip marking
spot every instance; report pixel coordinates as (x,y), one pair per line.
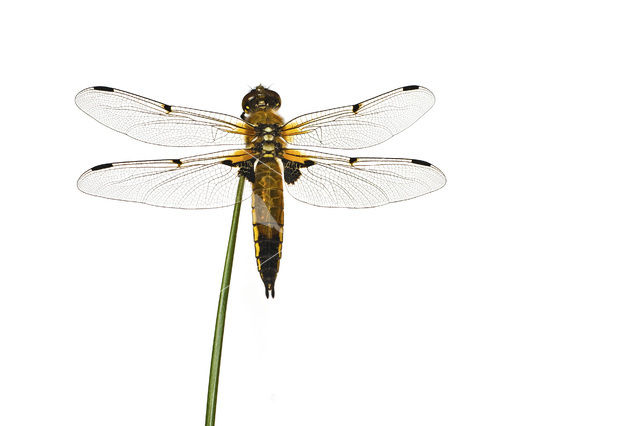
(166,107)
(103,88)
(355,108)
(422,163)
(102,166)
(353,160)
(414,87)
(177,161)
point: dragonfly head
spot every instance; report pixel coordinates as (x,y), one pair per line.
(260,98)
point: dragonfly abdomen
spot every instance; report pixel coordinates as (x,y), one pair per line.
(268,220)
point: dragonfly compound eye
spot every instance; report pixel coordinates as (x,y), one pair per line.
(260,98)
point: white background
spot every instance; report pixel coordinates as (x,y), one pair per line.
(510,297)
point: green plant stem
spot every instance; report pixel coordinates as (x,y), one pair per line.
(214,373)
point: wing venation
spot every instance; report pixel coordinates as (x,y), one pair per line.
(198,182)
(360,125)
(358,182)
(161,124)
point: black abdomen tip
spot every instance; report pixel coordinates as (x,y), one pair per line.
(270,288)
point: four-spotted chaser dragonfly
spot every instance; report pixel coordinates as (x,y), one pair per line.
(267,153)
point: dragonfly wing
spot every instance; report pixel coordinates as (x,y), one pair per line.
(198,182)
(360,125)
(159,123)
(357,182)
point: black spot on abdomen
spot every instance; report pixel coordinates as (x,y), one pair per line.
(269,259)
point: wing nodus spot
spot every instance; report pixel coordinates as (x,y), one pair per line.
(413,87)
(353,160)
(355,108)
(103,88)
(166,107)
(177,161)
(421,162)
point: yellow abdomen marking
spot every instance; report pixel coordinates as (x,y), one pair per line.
(268,217)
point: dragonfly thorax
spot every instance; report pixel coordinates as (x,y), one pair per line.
(267,132)
(268,139)
(268,147)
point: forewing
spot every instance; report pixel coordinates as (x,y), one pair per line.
(198,182)
(158,123)
(360,125)
(358,182)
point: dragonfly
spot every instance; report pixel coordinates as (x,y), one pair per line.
(265,150)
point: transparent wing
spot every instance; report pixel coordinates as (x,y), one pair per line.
(198,182)
(363,124)
(160,124)
(356,182)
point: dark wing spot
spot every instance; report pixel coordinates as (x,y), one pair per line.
(103,88)
(422,163)
(166,107)
(227,162)
(353,160)
(247,170)
(291,171)
(355,108)
(177,161)
(405,88)
(291,175)
(102,166)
